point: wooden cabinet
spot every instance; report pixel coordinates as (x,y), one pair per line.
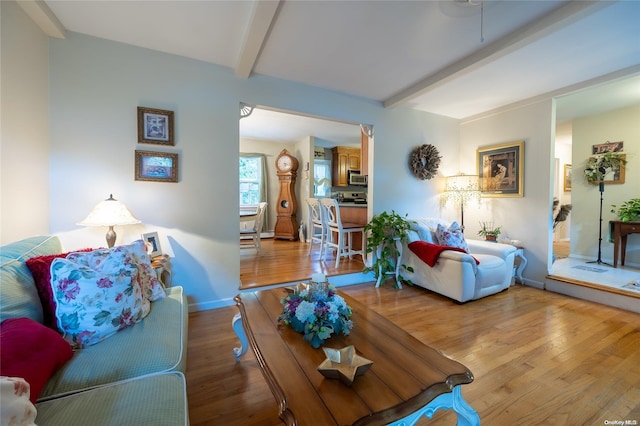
(344,160)
(364,153)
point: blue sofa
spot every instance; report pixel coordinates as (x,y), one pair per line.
(134,377)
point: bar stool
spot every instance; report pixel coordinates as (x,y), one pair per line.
(318,228)
(344,230)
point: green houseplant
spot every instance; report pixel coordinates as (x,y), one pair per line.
(383,231)
(489,231)
(628,211)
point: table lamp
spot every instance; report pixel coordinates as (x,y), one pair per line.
(109,212)
(462,189)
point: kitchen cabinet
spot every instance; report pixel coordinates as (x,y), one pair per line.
(364,154)
(344,160)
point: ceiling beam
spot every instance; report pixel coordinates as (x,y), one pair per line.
(44,18)
(569,12)
(262,17)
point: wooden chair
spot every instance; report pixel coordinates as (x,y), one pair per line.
(343,242)
(255,230)
(318,224)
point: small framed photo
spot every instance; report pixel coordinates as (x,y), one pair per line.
(501,170)
(155,126)
(567,178)
(153,244)
(156,166)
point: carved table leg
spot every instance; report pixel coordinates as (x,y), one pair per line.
(467,416)
(239,330)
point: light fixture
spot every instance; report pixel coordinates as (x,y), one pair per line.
(109,212)
(462,189)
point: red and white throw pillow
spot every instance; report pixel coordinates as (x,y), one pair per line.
(452,236)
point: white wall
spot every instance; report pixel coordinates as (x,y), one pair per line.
(24,140)
(96,86)
(528,218)
(618,125)
(563,151)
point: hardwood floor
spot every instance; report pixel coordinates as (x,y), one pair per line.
(539,358)
(286,261)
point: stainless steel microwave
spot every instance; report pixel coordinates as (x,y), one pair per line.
(356,178)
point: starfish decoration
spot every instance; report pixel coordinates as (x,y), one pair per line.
(343,364)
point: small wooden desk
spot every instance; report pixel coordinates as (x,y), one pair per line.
(619,232)
(408,380)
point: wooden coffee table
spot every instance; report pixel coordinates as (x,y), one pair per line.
(407,380)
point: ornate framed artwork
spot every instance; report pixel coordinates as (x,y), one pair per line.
(608,168)
(501,170)
(156,166)
(152,241)
(607,147)
(155,126)
(567,178)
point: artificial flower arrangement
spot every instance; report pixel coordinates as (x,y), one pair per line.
(316,311)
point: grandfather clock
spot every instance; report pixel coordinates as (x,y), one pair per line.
(287,170)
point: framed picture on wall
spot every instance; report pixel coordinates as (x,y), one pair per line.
(155,126)
(501,170)
(607,147)
(156,166)
(567,177)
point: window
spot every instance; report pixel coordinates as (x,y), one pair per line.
(322,178)
(252,179)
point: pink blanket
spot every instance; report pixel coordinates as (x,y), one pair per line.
(429,253)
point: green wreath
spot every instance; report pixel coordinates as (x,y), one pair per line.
(424,161)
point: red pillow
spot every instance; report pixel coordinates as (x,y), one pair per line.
(31,351)
(429,253)
(40,267)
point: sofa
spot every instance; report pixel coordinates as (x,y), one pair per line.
(133,375)
(439,258)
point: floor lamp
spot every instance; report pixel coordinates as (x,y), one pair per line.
(462,189)
(599,260)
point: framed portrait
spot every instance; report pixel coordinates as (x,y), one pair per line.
(501,170)
(156,166)
(153,244)
(567,177)
(607,147)
(155,126)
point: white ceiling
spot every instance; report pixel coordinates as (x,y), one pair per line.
(458,58)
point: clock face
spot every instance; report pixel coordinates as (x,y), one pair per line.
(284,163)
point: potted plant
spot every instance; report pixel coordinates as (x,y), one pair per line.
(489,231)
(383,231)
(599,164)
(560,212)
(628,211)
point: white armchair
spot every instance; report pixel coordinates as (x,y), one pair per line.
(457,275)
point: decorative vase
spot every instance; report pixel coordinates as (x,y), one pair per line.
(491,238)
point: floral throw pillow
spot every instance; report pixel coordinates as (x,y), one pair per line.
(452,236)
(93,303)
(147,279)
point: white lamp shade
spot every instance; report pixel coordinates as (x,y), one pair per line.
(109,212)
(462,188)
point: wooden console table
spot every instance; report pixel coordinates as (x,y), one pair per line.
(408,380)
(619,232)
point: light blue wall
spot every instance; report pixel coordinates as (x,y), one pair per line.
(96,86)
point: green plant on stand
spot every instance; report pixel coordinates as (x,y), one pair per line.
(383,231)
(489,231)
(628,211)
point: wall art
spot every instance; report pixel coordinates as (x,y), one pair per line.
(156,166)
(155,126)
(501,170)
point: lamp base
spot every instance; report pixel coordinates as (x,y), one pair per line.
(111,237)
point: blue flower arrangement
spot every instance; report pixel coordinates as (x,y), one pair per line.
(317,312)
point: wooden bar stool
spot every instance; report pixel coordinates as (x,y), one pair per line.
(344,232)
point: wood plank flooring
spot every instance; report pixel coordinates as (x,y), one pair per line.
(539,358)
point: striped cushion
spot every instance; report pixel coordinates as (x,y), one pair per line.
(149,401)
(18,293)
(155,344)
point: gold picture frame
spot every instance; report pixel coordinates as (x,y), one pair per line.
(156,166)
(155,126)
(501,170)
(567,178)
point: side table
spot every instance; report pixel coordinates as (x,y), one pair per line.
(521,263)
(162,266)
(396,273)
